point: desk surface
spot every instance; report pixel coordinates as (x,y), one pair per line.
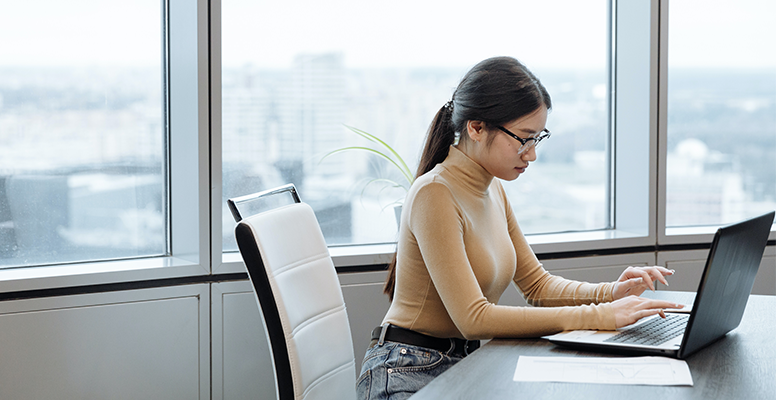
(742,365)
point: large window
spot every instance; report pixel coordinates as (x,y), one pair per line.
(111,146)
(82,159)
(721,111)
(297,74)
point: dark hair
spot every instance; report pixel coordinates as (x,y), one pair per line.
(495,91)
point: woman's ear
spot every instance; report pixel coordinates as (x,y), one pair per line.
(475,130)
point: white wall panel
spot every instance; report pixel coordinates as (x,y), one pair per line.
(765,282)
(155,343)
(366,304)
(688,266)
(242,364)
(148,344)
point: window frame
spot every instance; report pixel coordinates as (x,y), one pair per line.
(674,236)
(638,90)
(634,73)
(186,59)
(193,56)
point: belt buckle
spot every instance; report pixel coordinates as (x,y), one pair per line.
(384,329)
(451,351)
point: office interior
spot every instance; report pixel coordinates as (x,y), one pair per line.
(187,326)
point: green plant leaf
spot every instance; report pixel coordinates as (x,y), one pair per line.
(399,162)
(407,176)
(389,182)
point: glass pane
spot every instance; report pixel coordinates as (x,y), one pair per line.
(386,68)
(81,131)
(721,111)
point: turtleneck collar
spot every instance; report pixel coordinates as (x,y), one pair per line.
(467,170)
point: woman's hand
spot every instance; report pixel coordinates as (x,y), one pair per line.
(635,280)
(630,309)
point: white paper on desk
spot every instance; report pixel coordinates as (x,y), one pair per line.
(622,370)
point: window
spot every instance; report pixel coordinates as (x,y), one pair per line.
(721,124)
(294,74)
(104,129)
(82,132)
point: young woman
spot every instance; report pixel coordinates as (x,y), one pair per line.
(460,245)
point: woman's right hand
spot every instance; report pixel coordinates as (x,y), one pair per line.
(628,310)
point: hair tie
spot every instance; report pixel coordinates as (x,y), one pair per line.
(449,106)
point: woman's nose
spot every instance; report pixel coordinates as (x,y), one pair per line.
(530,154)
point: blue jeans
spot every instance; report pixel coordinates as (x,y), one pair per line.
(395,371)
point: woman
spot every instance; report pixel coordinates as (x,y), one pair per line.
(460,245)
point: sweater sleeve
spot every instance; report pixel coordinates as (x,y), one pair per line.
(437,225)
(543,289)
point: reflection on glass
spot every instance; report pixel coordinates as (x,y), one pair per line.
(386,69)
(81,132)
(721,112)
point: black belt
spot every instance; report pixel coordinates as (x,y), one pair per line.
(451,346)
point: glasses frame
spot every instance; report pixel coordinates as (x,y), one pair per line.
(527,143)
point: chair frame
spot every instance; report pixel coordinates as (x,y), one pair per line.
(232,203)
(263,290)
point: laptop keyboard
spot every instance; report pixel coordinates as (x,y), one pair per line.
(653,332)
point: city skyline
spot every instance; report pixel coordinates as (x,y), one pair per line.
(570,173)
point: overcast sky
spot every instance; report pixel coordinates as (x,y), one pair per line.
(548,33)
(416,33)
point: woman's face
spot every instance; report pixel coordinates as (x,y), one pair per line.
(501,158)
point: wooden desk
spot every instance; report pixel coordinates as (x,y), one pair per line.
(740,366)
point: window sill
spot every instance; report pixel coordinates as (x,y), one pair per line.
(371,255)
(697,234)
(590,241)
(96,273)
(556,245)
(357,258)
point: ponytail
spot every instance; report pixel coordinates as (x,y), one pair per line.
(440,136)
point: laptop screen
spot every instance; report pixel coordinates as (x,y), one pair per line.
(735,257)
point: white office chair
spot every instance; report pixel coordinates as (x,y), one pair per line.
(300,299)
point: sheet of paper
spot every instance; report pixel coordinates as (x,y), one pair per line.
(622,370)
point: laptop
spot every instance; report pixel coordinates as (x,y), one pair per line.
(719,304)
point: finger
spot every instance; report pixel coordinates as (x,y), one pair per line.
(660,304)
(632,283)
(657,274)
(625,274)
(663,273)
(644,314)
(675,305)
(666,271)
(647,279)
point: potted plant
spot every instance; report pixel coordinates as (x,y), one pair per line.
(387,153)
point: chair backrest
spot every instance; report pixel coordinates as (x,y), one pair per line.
(301,301)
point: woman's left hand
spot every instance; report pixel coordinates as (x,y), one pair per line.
(635,280)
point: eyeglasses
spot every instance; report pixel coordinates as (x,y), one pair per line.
(527,143)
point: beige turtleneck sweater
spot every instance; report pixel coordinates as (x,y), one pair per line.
(460,246)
